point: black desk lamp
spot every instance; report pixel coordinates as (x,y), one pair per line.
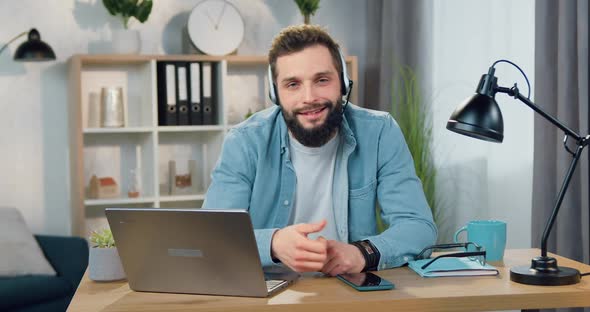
(32,50)
(479,117)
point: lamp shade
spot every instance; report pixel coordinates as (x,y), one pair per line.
(479,117)
(34,50)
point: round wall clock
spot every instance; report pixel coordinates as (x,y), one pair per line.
(215,27)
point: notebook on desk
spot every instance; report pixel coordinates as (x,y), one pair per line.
(193,251)
(452,267)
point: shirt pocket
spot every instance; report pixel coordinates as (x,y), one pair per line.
(362,204)
(364,191)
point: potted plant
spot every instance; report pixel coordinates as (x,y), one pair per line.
(104,263)
(412,116)
(127,40)
(308,8)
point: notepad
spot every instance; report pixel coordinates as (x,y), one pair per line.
(452,267)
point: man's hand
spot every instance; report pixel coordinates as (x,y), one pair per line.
(295,250)
(343,258)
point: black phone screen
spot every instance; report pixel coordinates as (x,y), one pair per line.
(363,279)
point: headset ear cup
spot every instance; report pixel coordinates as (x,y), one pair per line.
(342,84)
(272,88)
(271,93)
(344,79)
(275,95)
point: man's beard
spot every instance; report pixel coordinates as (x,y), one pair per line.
(318,135)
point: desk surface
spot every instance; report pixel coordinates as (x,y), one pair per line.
(412,293)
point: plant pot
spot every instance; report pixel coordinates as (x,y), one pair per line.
(105,265)
(126,41)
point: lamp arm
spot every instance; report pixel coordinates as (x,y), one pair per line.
(514,92)
(581,143)
(11,40)
(560,196)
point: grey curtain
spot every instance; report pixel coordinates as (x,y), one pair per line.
(399,33)
(561,89)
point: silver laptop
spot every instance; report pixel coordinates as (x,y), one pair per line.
(193,251)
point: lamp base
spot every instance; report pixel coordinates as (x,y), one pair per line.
(544,271)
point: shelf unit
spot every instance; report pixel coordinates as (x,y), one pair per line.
(141,143)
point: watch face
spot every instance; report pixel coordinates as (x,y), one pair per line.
(215,27)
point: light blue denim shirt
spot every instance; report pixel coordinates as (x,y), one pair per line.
(373,166)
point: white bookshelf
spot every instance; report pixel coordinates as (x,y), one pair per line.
(142,143)
(180,198)
(118,130)
(191,129)
(119,201)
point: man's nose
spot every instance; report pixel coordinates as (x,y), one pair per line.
(309,95)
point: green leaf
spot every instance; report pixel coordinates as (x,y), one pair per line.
(143,10)
(308,7)
(112,6)
(412,116)
(126,9)
(248,114)
(102,238)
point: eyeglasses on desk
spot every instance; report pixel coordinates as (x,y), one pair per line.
(477,252)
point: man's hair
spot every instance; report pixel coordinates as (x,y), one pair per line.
(296,38)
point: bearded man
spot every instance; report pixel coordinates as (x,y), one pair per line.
(311,169)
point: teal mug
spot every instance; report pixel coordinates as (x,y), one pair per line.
(490,234)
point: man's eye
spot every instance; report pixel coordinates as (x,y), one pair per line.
(292,85)
(323,80)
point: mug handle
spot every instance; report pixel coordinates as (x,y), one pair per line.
(456,239)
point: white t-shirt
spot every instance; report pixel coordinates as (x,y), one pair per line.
(314,168)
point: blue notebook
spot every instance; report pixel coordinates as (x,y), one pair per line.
(452,267)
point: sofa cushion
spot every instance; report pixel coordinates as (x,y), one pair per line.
(27,290)
(21,254)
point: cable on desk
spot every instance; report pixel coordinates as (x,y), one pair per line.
(584,274)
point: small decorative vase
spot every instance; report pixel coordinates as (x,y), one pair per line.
(126,41)
(134,190)
(105,265)
(94,110)
(113,108)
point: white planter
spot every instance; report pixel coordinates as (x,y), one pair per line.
(105,265)
(126,41)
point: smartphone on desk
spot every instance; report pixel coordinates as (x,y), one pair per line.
(365,281)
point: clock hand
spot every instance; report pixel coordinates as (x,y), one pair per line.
(220,15)
(210,19)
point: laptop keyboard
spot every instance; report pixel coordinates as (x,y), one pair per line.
(272,284)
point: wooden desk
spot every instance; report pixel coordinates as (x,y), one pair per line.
(412,293)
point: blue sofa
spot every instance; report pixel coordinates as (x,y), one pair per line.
(69,258)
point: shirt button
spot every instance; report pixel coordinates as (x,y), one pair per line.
(286,202)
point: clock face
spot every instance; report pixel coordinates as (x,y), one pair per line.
(215,27)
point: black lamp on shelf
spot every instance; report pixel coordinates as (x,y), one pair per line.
(32,50)
(480,117)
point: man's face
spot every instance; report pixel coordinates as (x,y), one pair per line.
(309,91)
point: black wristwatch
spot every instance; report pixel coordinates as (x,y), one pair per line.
(370,253)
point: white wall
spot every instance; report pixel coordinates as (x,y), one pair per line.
(34,162)
(484,180)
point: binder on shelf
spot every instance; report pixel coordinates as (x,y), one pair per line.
(196,109)
(209,98)
(166,76)
(182,94)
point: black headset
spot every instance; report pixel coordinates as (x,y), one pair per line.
(345,84)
